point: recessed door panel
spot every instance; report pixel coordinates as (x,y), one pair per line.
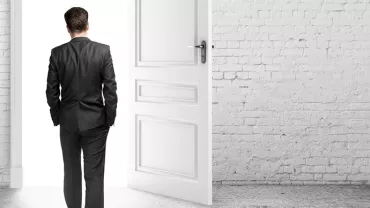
(155,35)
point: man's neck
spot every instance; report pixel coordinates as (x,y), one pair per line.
(79,35)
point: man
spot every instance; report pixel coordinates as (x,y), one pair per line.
(81,66)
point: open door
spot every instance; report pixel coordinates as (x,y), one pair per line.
(170,65)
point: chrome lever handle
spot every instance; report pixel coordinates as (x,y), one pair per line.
(197,46)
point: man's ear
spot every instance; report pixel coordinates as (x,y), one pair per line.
(68,29)
(87,27)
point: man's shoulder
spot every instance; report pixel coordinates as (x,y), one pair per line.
(93,43)
(58,47)
(101,45)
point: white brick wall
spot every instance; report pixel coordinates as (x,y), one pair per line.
(291,96)
(4,91)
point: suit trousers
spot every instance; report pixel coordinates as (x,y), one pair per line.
(92,142)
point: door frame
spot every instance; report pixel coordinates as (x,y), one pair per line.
(15,167)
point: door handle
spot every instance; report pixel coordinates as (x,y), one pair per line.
(197,46)
(203,52)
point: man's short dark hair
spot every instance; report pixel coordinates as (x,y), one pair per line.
(77,19)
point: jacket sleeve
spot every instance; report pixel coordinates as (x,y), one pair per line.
(52,89)
(110,88)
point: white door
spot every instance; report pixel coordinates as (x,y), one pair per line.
(170,132)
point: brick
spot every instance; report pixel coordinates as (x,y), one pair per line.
(243,75)
(356,7)
(288,169)
(330,169)
(231,67)
(233,44)
(229,75)
(317,176)
(285,6)
(365,169)
(341,161)
(322,22)
(250,121)
(221,44)
(262,6)
(307,169)
(301,177)
(361,162)
(319,169)
(334,177)
(333,7)
(251,22)
(233,36)
(317,161)
(358,177)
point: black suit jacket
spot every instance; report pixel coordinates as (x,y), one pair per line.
(81,66)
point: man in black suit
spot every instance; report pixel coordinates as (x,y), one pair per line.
(81,66)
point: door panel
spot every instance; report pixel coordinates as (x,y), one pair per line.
(181,16)
(170,143)
(155,17)
(149,91)
(176,158)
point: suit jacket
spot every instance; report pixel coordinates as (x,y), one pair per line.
(81,66)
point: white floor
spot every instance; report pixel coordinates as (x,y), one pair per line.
(115,197)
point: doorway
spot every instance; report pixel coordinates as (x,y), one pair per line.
(43,29)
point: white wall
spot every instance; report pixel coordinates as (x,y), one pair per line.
(291,91)
(44,28)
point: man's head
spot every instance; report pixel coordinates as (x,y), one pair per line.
(77,21)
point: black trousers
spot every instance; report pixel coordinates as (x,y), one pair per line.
(92,142)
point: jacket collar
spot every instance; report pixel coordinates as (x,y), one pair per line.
(76,39)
